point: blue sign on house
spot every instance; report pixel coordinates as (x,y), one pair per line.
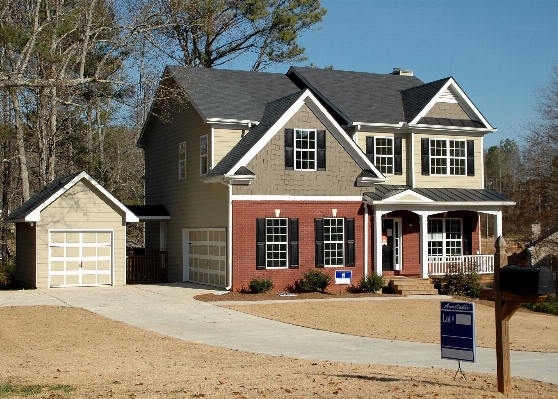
(343,276)
(457,327)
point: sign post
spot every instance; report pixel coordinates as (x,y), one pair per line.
(457,329)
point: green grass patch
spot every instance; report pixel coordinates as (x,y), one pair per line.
(550,306)
(8,388)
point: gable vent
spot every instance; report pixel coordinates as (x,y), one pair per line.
(448,96)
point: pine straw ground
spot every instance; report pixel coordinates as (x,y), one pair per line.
(61,352)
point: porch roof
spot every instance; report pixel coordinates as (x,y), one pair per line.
(384,193)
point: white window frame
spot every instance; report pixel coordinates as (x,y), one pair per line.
(299,149)
(379,157)
(333,244)
(204,152)
(446,162)
(444,237)
(182,160)
(277,243)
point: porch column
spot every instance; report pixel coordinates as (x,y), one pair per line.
(498,224)
(378,241)
(423,245)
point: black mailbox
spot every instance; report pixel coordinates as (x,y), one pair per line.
(526,280)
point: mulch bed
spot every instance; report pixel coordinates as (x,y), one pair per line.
(275,295)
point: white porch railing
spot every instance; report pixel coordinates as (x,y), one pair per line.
(440,265)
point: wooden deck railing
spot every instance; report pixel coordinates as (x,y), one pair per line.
(147,269)
(440,265)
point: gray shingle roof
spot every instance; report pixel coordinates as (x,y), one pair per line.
(384,191)
(273,111)
(226,94)
(358,96)
(416,98)
(35,201)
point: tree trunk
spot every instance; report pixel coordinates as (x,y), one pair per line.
(20,139)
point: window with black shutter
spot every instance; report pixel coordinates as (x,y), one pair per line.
(277,243)
(335,242)
(425,156)
(470,157)
(289,149)
(398,155)
(293,243)
(321,154)
(319,240)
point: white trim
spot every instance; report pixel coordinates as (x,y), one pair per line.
(35,215)
(420,198)
(465,103)
(317,198)
(185,256)
(212,152)
(229,232)
(482,160)
(413,182)
(386,125)
(230,121)
(331,125)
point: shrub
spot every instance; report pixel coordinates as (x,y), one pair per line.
(371,283)
(7,270)
(258,285)
(457,282)
(313,281)
(550,306)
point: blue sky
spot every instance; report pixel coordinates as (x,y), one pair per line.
(499,52)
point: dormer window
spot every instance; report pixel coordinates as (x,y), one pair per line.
(305,149)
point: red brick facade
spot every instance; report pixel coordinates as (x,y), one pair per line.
(245,214)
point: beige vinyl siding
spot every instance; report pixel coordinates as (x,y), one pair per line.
(190,202)
(272,178)
(26,263)
(448,181)
(82,207)
(224,141)
(393,179)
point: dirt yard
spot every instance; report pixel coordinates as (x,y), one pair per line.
(388,318)
(59,352)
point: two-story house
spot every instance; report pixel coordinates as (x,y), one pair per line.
(270,175)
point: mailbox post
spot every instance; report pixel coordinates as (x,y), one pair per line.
(520,285)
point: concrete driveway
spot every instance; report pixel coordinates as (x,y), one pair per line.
(171,309)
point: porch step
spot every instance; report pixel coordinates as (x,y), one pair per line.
(412,286)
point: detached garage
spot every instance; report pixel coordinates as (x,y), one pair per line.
(72,233)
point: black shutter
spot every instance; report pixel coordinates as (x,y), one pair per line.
(260,244)
(468,236)
(470,157)
(349,242)
(293,243)
(321,153)
(289,149)
(425,154)
(319,234)
(370,149)
(398,155)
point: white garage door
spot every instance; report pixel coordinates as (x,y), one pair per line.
(80,258)
(205,256)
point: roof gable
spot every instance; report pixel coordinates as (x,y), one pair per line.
(30,211)
(418,101)
(277,114)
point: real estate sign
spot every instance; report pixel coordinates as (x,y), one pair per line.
(457,327)
(343,276)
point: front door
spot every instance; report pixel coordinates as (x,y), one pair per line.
(391,244)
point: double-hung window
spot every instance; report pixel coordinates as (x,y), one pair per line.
(182,160)
(335,242)
(305,149)
(276,243)
(448,157)
(386,153)
(444,237)
(204,167)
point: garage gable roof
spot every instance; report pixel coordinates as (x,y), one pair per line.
(30,211)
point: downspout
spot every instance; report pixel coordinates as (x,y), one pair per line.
(229,240)
(366,221)
(413,159)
